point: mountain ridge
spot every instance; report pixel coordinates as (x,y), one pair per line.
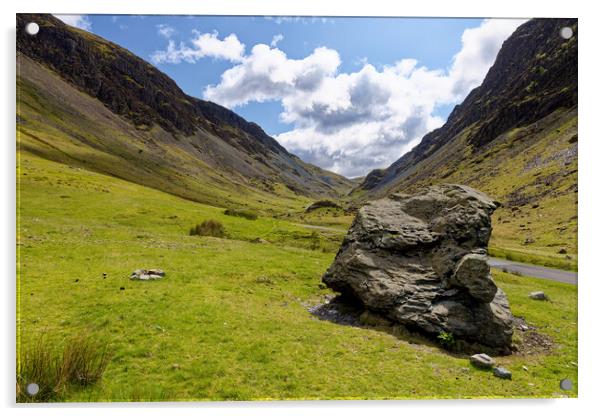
(229,151)
(533,74)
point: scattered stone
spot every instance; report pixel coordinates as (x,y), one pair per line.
(175,366)
(421,261)
(523,327)
(501,372)
(150,274)
(529,240)
(482,361)
(525,368)
(538,296)
(259,241)
(566,384)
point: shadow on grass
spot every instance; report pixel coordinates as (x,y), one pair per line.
(342,311)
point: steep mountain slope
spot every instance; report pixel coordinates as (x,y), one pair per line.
(92,104)
(514,137)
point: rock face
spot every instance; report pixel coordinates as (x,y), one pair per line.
(420,261)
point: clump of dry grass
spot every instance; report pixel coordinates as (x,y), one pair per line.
(211,228)
(82,362)
(244,213)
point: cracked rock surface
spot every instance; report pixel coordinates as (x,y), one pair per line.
(421,260)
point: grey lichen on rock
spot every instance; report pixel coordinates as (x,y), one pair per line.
(421,260)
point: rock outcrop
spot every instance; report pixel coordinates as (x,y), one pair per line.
(420,261)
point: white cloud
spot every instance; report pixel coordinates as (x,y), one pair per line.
(165,30)
(268,74)
(354,122)
(204,45)
(480,46)
(77,20)
(277,38)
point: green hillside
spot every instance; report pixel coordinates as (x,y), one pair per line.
(88,102)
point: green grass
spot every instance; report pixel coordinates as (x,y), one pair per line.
(539,259)
(230,321)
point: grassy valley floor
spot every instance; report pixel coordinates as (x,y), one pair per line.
(230,320)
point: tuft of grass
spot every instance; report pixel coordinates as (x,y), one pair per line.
(82,362)
(243,213)
(211,228)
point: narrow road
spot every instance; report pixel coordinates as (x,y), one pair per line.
(321,228)
(541,272)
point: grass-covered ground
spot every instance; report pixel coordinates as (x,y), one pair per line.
(230,319)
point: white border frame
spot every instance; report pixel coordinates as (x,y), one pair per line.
(590,230)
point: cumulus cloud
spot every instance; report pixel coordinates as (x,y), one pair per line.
(352,122)
(165,30)
(277,38)
(480,46)
(77,20)
(268,74)
(203,45)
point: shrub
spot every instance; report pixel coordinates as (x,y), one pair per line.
(446,339)
(82,362)
(210,228)
(250,215)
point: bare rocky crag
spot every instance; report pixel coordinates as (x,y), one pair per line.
(420,261)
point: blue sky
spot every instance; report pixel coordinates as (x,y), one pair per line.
(348,94)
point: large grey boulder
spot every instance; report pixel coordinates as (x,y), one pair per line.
(420,260)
